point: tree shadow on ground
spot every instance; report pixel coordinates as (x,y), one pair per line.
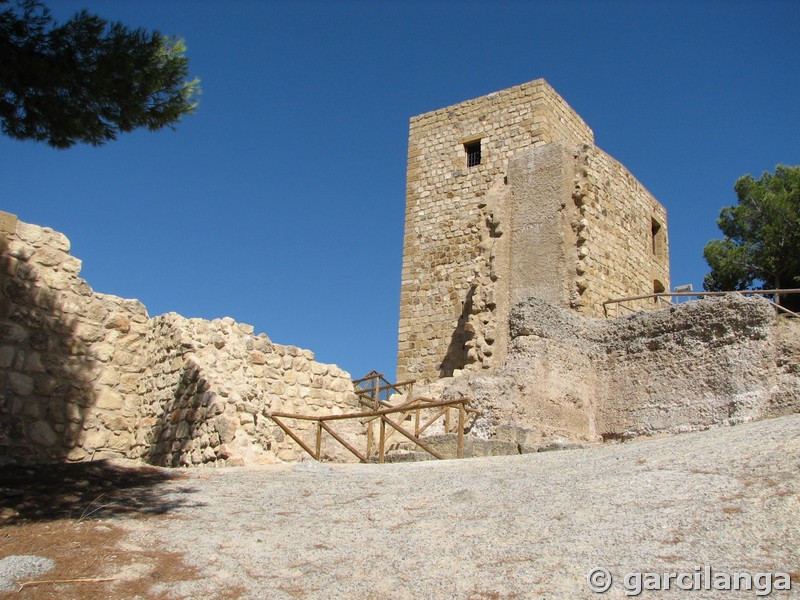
(89,490)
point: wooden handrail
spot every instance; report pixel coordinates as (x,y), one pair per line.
(359,415)
(411,404)
(432,420)
(368,377)
(369,391)
(413,438)
(406,408)
(375,386)
(662,295)
(381,376)
(679,294)
(294,436)
(374,389)
(339,439)
(782,308)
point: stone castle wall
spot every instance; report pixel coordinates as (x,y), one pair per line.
(582,231)
(621,234)
(209,386)
(85,375)
(545,212)
(717,361)
(452,212)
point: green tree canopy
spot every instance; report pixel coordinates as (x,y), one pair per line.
(762,236)
(87,79)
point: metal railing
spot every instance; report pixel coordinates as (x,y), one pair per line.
(662,297)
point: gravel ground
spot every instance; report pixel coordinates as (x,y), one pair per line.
(529,526)
(16,567)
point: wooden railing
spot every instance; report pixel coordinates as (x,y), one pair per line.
(662,297)
(415,408)
(374,389)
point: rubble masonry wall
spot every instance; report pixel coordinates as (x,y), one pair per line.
(85,375)
(716,361)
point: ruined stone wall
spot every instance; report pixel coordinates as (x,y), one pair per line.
(207,393)
(69,356)
(85,375)
(715,361)
(545,213)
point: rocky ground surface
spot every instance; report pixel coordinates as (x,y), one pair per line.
(525,526)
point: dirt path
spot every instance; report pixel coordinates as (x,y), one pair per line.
(529,526)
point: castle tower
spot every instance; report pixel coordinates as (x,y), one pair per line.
(508,197)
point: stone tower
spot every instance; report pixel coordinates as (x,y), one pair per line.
(508,197)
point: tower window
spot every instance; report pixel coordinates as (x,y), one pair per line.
(473,150)
(656,237)
(658,288)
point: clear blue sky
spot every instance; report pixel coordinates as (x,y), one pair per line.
(280,203)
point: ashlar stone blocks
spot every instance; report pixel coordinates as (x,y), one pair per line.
(507,196)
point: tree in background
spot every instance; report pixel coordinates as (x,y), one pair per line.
(762,236)
(86,80)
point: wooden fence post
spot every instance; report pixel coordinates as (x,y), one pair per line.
(461,415)
(381,449)
(369,438)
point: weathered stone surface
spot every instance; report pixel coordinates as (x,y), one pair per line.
(169,390)
(447,445)
(120,322)
(20,384)
(95,439)
(12,333)
(109,400)
(42,433)
(716,361)
(522,527)
(117,422)
(6,356)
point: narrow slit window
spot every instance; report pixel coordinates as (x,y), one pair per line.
(656,236)
(473,150)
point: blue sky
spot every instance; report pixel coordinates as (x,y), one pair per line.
(280,202)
